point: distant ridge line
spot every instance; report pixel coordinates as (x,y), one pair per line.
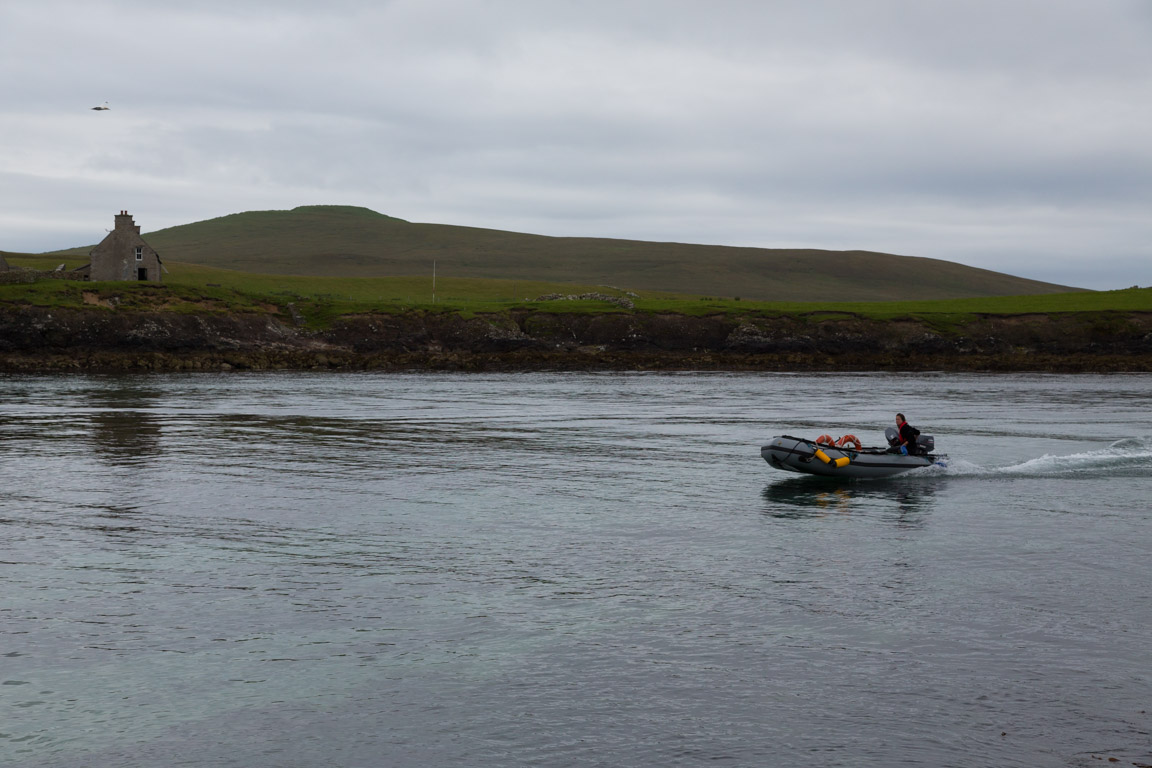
(353,241)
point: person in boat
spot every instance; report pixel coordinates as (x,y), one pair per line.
(906,435)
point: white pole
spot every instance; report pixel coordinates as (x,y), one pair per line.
(433,281)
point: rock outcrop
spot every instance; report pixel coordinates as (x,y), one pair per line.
(96,338)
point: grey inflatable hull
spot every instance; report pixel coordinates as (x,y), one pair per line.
(796,454)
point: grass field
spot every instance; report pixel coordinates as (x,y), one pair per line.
(192,287)
(345,241)
(197,288)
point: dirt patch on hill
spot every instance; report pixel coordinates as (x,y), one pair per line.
(92,298)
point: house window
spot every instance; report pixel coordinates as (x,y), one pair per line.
(139,253)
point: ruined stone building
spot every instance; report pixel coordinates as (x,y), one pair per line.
(123,255)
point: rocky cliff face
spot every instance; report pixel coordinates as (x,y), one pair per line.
(51,339)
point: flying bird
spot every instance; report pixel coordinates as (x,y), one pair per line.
(102,107)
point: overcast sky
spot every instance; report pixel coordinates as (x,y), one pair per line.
(1014,135)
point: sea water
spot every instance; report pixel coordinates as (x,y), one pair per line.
(570,570)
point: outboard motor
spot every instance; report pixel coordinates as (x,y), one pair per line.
(924,443)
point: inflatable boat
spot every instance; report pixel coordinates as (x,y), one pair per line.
(847,458)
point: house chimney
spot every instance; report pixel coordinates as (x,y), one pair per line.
(123,219)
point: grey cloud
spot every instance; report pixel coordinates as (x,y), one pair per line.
(999,134)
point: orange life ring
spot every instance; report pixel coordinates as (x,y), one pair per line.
(825,440)
(844,441)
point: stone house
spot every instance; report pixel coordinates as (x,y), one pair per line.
(123,255)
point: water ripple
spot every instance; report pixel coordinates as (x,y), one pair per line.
(309,569)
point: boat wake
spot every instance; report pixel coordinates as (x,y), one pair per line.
(1132,455)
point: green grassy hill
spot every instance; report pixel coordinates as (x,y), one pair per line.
(196,288)
(343,241)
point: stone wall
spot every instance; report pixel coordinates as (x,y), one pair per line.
(34,275)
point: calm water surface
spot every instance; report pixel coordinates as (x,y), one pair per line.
(570,570)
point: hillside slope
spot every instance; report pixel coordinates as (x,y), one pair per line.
(357,242)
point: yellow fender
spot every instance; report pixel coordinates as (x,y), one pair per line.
(840,462)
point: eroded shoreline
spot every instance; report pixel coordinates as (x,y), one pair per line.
(36,339)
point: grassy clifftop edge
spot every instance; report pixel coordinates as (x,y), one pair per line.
(320,301)
(59,325)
